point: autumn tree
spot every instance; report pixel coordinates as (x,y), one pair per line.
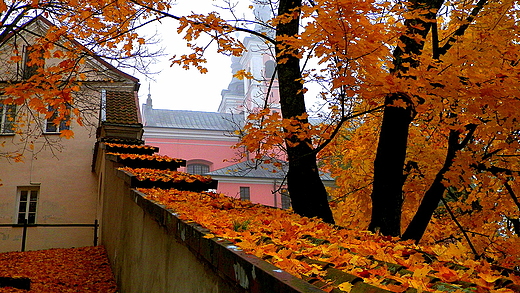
(449,156)
(44,68)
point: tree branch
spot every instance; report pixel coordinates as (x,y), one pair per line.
(462,29)
(228,26)
(338,127)
(512,194)
(477,256)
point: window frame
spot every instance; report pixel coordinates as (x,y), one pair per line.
(7,126)
(29,71)
(245,193)
(190,166)
(285,200)
(64,124)
(30,206)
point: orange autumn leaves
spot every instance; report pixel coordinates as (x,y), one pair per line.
(166,175)
(158,158)
(129,146)
(286,240)
(83,269)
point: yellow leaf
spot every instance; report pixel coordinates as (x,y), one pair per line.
(345,286)
(420,273)
(209,236)
(489,277)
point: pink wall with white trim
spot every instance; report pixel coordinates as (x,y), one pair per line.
(216,152)
(188,149)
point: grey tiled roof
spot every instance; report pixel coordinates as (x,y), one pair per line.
(251,170)
(191,119)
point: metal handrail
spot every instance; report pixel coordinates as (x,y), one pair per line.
(25,225)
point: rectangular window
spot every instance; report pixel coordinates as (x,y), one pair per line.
(52,127)
(244,193)
(27,203)
(32,61)
(7,118)
(286,200)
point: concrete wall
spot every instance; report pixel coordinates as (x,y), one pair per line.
(151,250)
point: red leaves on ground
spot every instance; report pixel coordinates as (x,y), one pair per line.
(84,269)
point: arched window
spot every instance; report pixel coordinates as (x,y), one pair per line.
(197,168)
(270,67)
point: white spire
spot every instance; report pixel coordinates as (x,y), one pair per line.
(149,99)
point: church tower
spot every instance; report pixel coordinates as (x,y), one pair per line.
(244,96)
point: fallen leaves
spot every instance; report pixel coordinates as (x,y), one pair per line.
(166,175)
(157,158)
(287,240)
(84,269)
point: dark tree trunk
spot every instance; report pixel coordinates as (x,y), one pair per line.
(387,197)
(307,192)
(433,195)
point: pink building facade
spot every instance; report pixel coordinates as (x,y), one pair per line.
(205,140)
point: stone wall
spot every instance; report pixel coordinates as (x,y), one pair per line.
(151,250)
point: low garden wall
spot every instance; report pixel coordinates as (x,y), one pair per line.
(151,250)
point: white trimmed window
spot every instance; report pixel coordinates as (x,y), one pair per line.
(7,118)
(27,203)
(286,200)
(30,70)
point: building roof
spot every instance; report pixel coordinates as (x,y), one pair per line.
(267,170)
(121,108)
(41,20)
(192,119)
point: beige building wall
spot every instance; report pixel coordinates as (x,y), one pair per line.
(67,191)
(59,169)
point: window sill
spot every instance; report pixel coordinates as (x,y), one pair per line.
(51,133)
(7,134)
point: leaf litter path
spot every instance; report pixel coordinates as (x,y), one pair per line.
(84,269)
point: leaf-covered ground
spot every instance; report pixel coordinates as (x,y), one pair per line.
(84,269)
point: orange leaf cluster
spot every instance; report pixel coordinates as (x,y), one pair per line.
(158,158)
(130,146)
(83,269)
(166,175)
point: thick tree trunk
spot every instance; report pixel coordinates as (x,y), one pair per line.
(307,192)
(387,197)
(387,194)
